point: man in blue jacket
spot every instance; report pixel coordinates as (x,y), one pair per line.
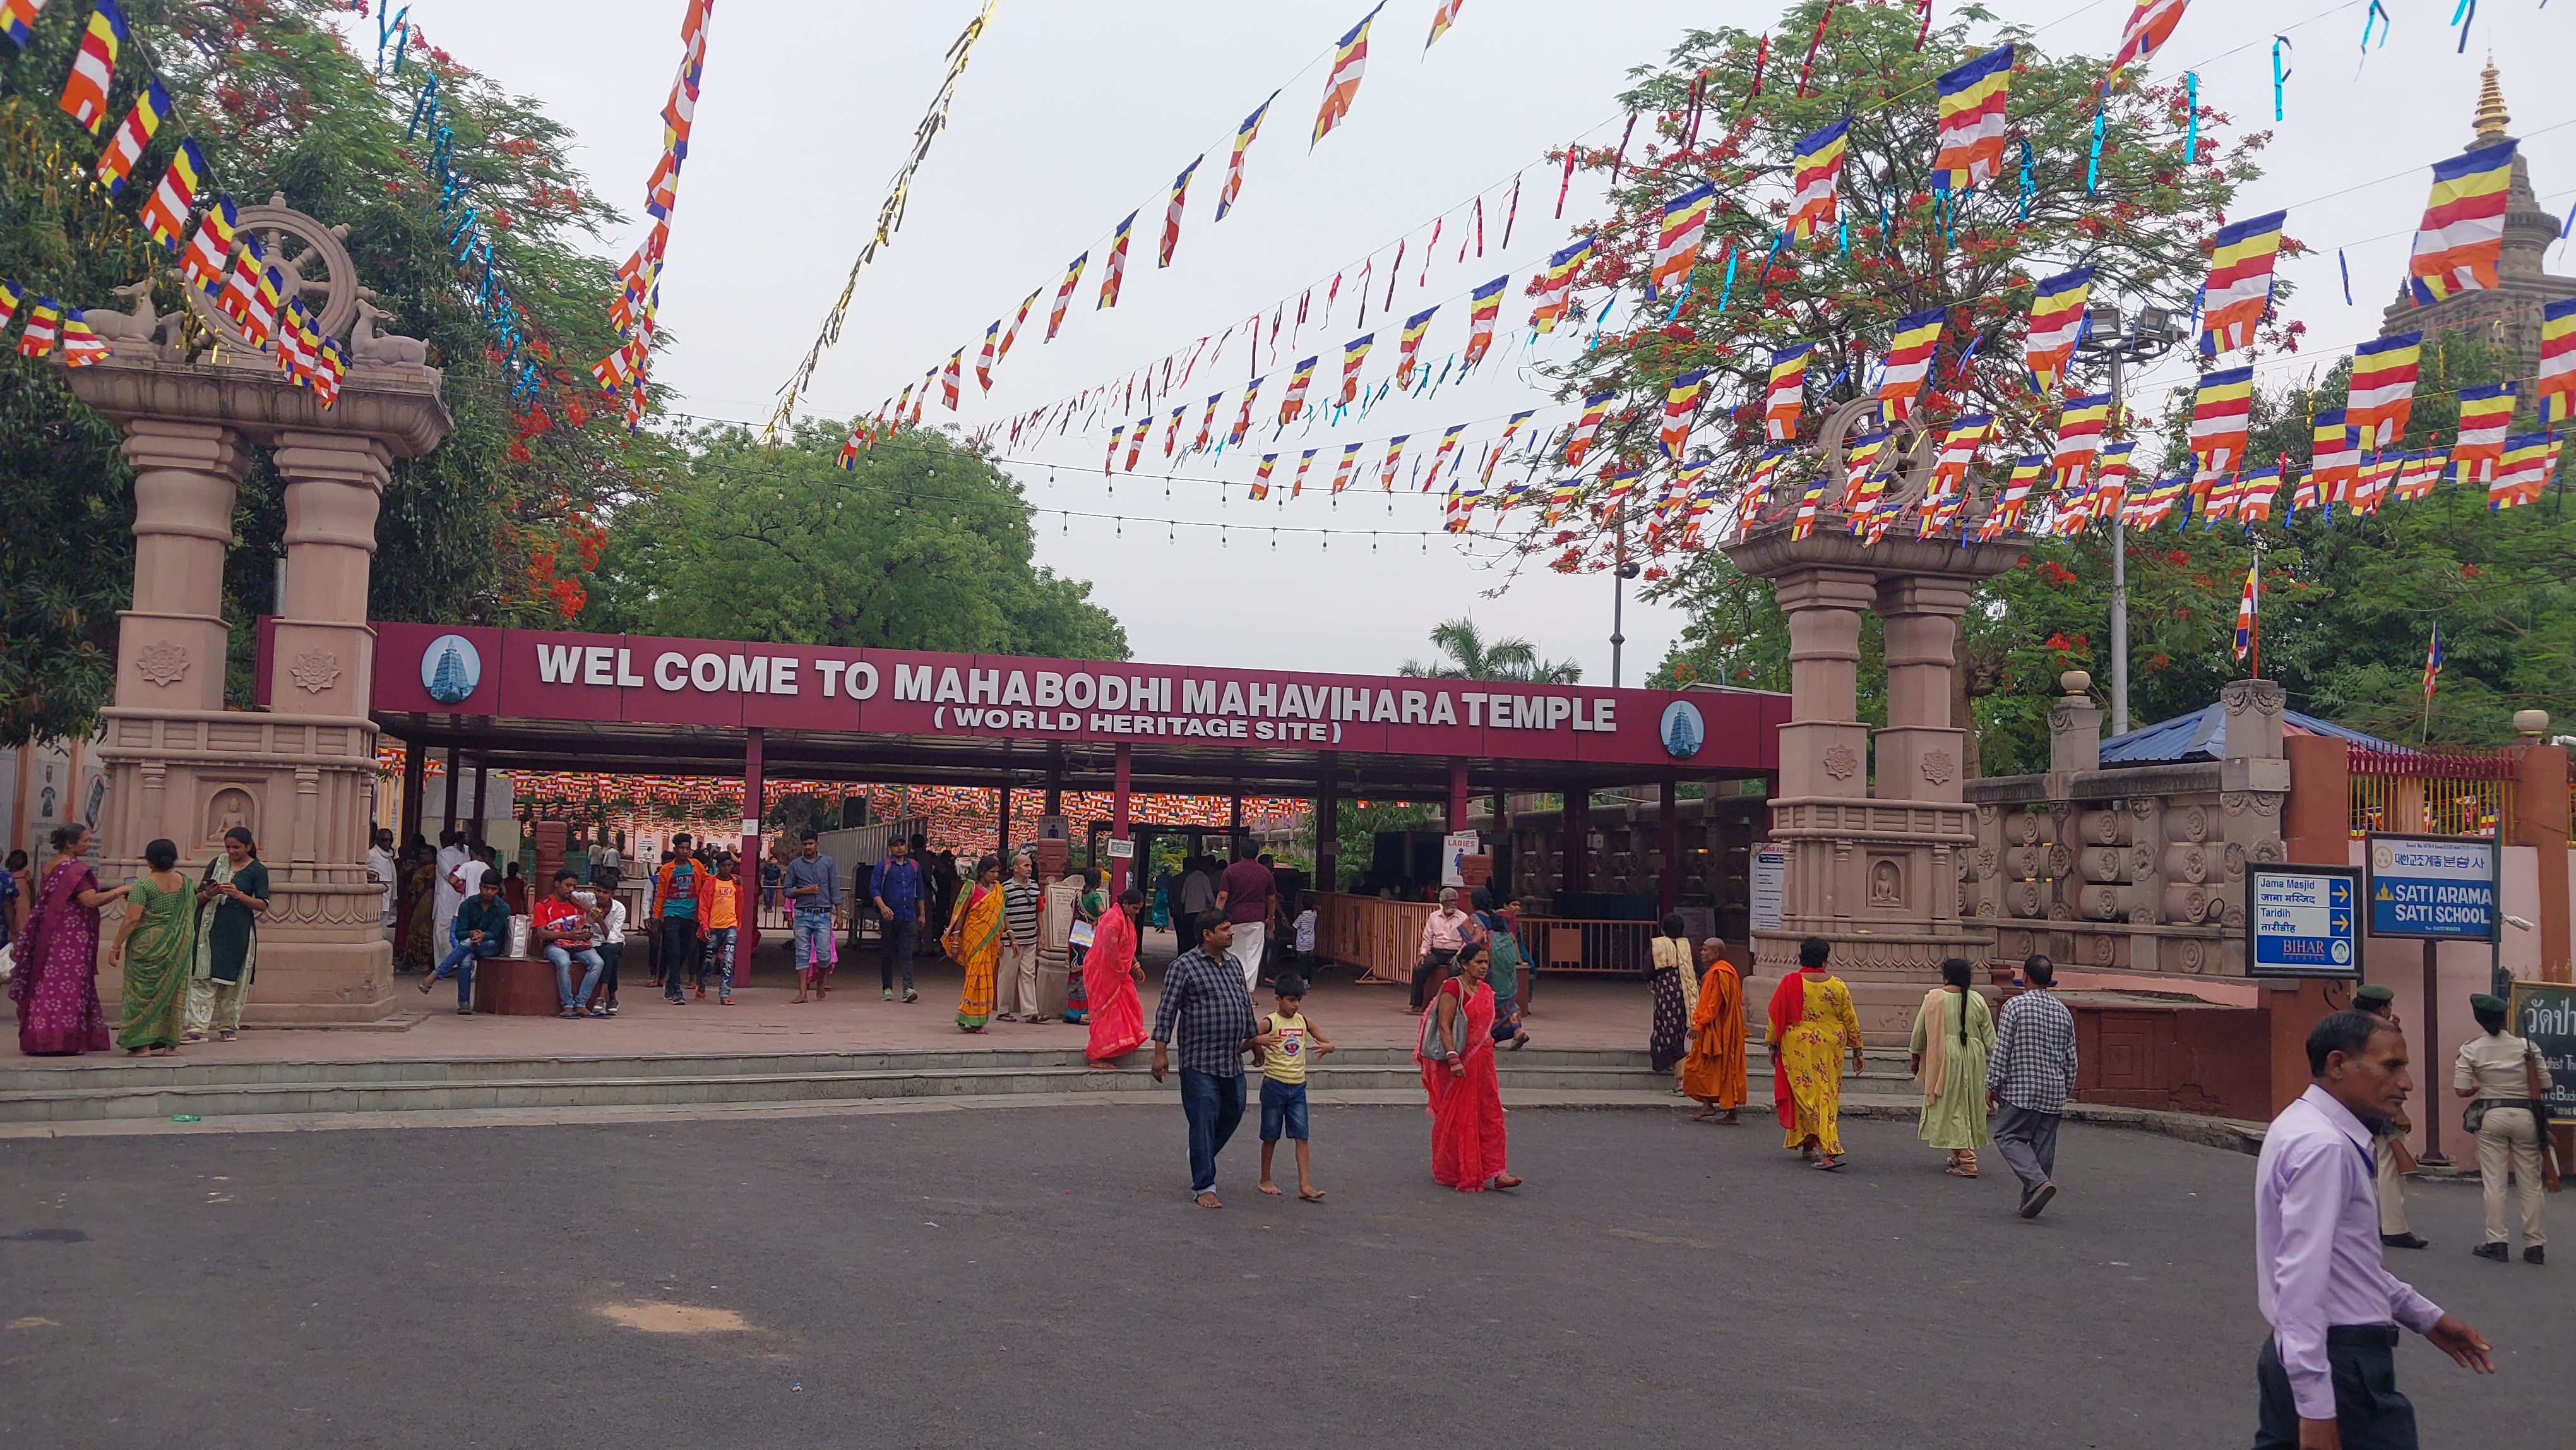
(902,910)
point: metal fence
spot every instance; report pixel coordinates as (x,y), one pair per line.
(2431,792)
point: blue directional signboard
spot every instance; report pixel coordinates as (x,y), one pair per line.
(2301,921)
(2440,888)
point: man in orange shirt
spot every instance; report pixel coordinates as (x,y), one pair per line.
(720,907)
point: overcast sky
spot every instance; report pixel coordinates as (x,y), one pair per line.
(1073,114)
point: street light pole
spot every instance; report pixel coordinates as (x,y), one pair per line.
(1620,573)
(2107,334)
(2119,588)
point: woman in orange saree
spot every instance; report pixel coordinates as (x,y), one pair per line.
(974,941)
(1110,975)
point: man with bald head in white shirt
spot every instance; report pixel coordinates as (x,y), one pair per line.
(2328,1372)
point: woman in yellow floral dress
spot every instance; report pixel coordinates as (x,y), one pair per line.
(1812,1022)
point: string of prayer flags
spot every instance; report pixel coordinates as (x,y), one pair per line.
(1681,404)
(211,248)
(2555,384)
(1972,121)
(133,135)
(1172,215)
(1815,178)
(1295,402)
(93,71)
(1064,293)
(1556,286)
(2486,415)
(1909,361)
(1786,396)
(2462,234)
(2079,437)
(1442,17)
(1354,352)
(166,214)
(1115,273)
(1483,306)
(1243,138)
(2056,324)
(2381,394)
(1679,233)
(1409,343)
(1342,83)
(1586,424)
(2220,412)
(2150,25)
(2239,289)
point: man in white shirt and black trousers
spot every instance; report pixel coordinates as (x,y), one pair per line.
(2328,1372)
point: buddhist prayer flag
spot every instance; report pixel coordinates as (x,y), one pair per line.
(212,247)
(1448,445)
(1586,424)
(1342,470)
(9,295)
(268,296)
(1243,136)
(167,212)
(1013,331)
(1805,523)
(2150,25)
(2433,662)
(1958,453)
(1342,85)
(1556,287)
(2421,473)
(2485,416)
(1909,361)
(1207,423)
(2556,383)
(2239,289)
(950,378)
(1386,467)
(1354,353)
(44,319)
(1510,427)
(18,19)
(1172,433)
(1684,223)
(2005,516)
(1787,394)
(2462,233)
(2220,412)
(1863,484)
(1064,293)
(1484,305)
(1410,343)
(2382,390)
(1172,214)
(1243,419)
(1305,460)
(93,71)
(2248,613)
(2079,436)
(1115,272)
(2370,489)
(1681,404)
(2111,479)
(1136,440)
(1295,402)
(2254,494)
(126,147)
(1815,177)
(2056,324)
(1972,121)
(1442,17)
(2334,459)
(1261,480)
(2529,459)
(984,359)
(81,346)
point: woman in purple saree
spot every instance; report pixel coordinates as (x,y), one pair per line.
(56,985)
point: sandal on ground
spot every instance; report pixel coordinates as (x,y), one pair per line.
(1828,1165)
(226,1036)
(1505,1180)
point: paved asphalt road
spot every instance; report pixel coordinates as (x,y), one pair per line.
(1036,1277)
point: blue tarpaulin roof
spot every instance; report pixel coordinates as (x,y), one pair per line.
(2202,735)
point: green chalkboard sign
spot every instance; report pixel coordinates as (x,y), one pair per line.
(2545,1012)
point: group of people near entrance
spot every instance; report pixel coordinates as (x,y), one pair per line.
(188,949)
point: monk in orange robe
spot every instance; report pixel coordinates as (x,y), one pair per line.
(1713,1071)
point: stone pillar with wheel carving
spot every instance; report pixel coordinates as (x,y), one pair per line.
(299,774)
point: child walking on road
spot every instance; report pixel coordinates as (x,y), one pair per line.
(1287,1040)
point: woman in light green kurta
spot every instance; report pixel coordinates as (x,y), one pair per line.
(1954,1034)
(158,945)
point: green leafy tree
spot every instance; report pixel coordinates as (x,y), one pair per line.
(921,544)
(1468,655)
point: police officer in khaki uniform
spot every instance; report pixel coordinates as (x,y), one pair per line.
(2388,1151)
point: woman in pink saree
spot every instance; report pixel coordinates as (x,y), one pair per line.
(1110,975)
(56,985)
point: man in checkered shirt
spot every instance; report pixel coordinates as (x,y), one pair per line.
(2028,1080)
(1205,998)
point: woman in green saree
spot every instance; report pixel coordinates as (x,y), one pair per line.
(158,945)
(230,902)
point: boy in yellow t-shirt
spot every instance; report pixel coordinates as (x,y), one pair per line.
(1287,1040)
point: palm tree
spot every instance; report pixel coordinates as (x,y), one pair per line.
(1470,656)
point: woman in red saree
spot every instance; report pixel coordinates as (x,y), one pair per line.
(1456,1050)
(1110,975)
(56,984)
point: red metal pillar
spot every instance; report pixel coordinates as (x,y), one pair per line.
(746,870)
(1457,793)
(1668,840)
(1118,864)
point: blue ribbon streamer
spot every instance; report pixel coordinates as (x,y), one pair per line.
(1679,293)
(427,106)
(1732,257)
(2191,102)
(2375,13)
(2093,163)
(2346,268)
(2280,75)
(2028,185)
(1842,232)
(2464,17)
(1777,238)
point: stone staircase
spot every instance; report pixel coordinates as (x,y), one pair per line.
(133,1090)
